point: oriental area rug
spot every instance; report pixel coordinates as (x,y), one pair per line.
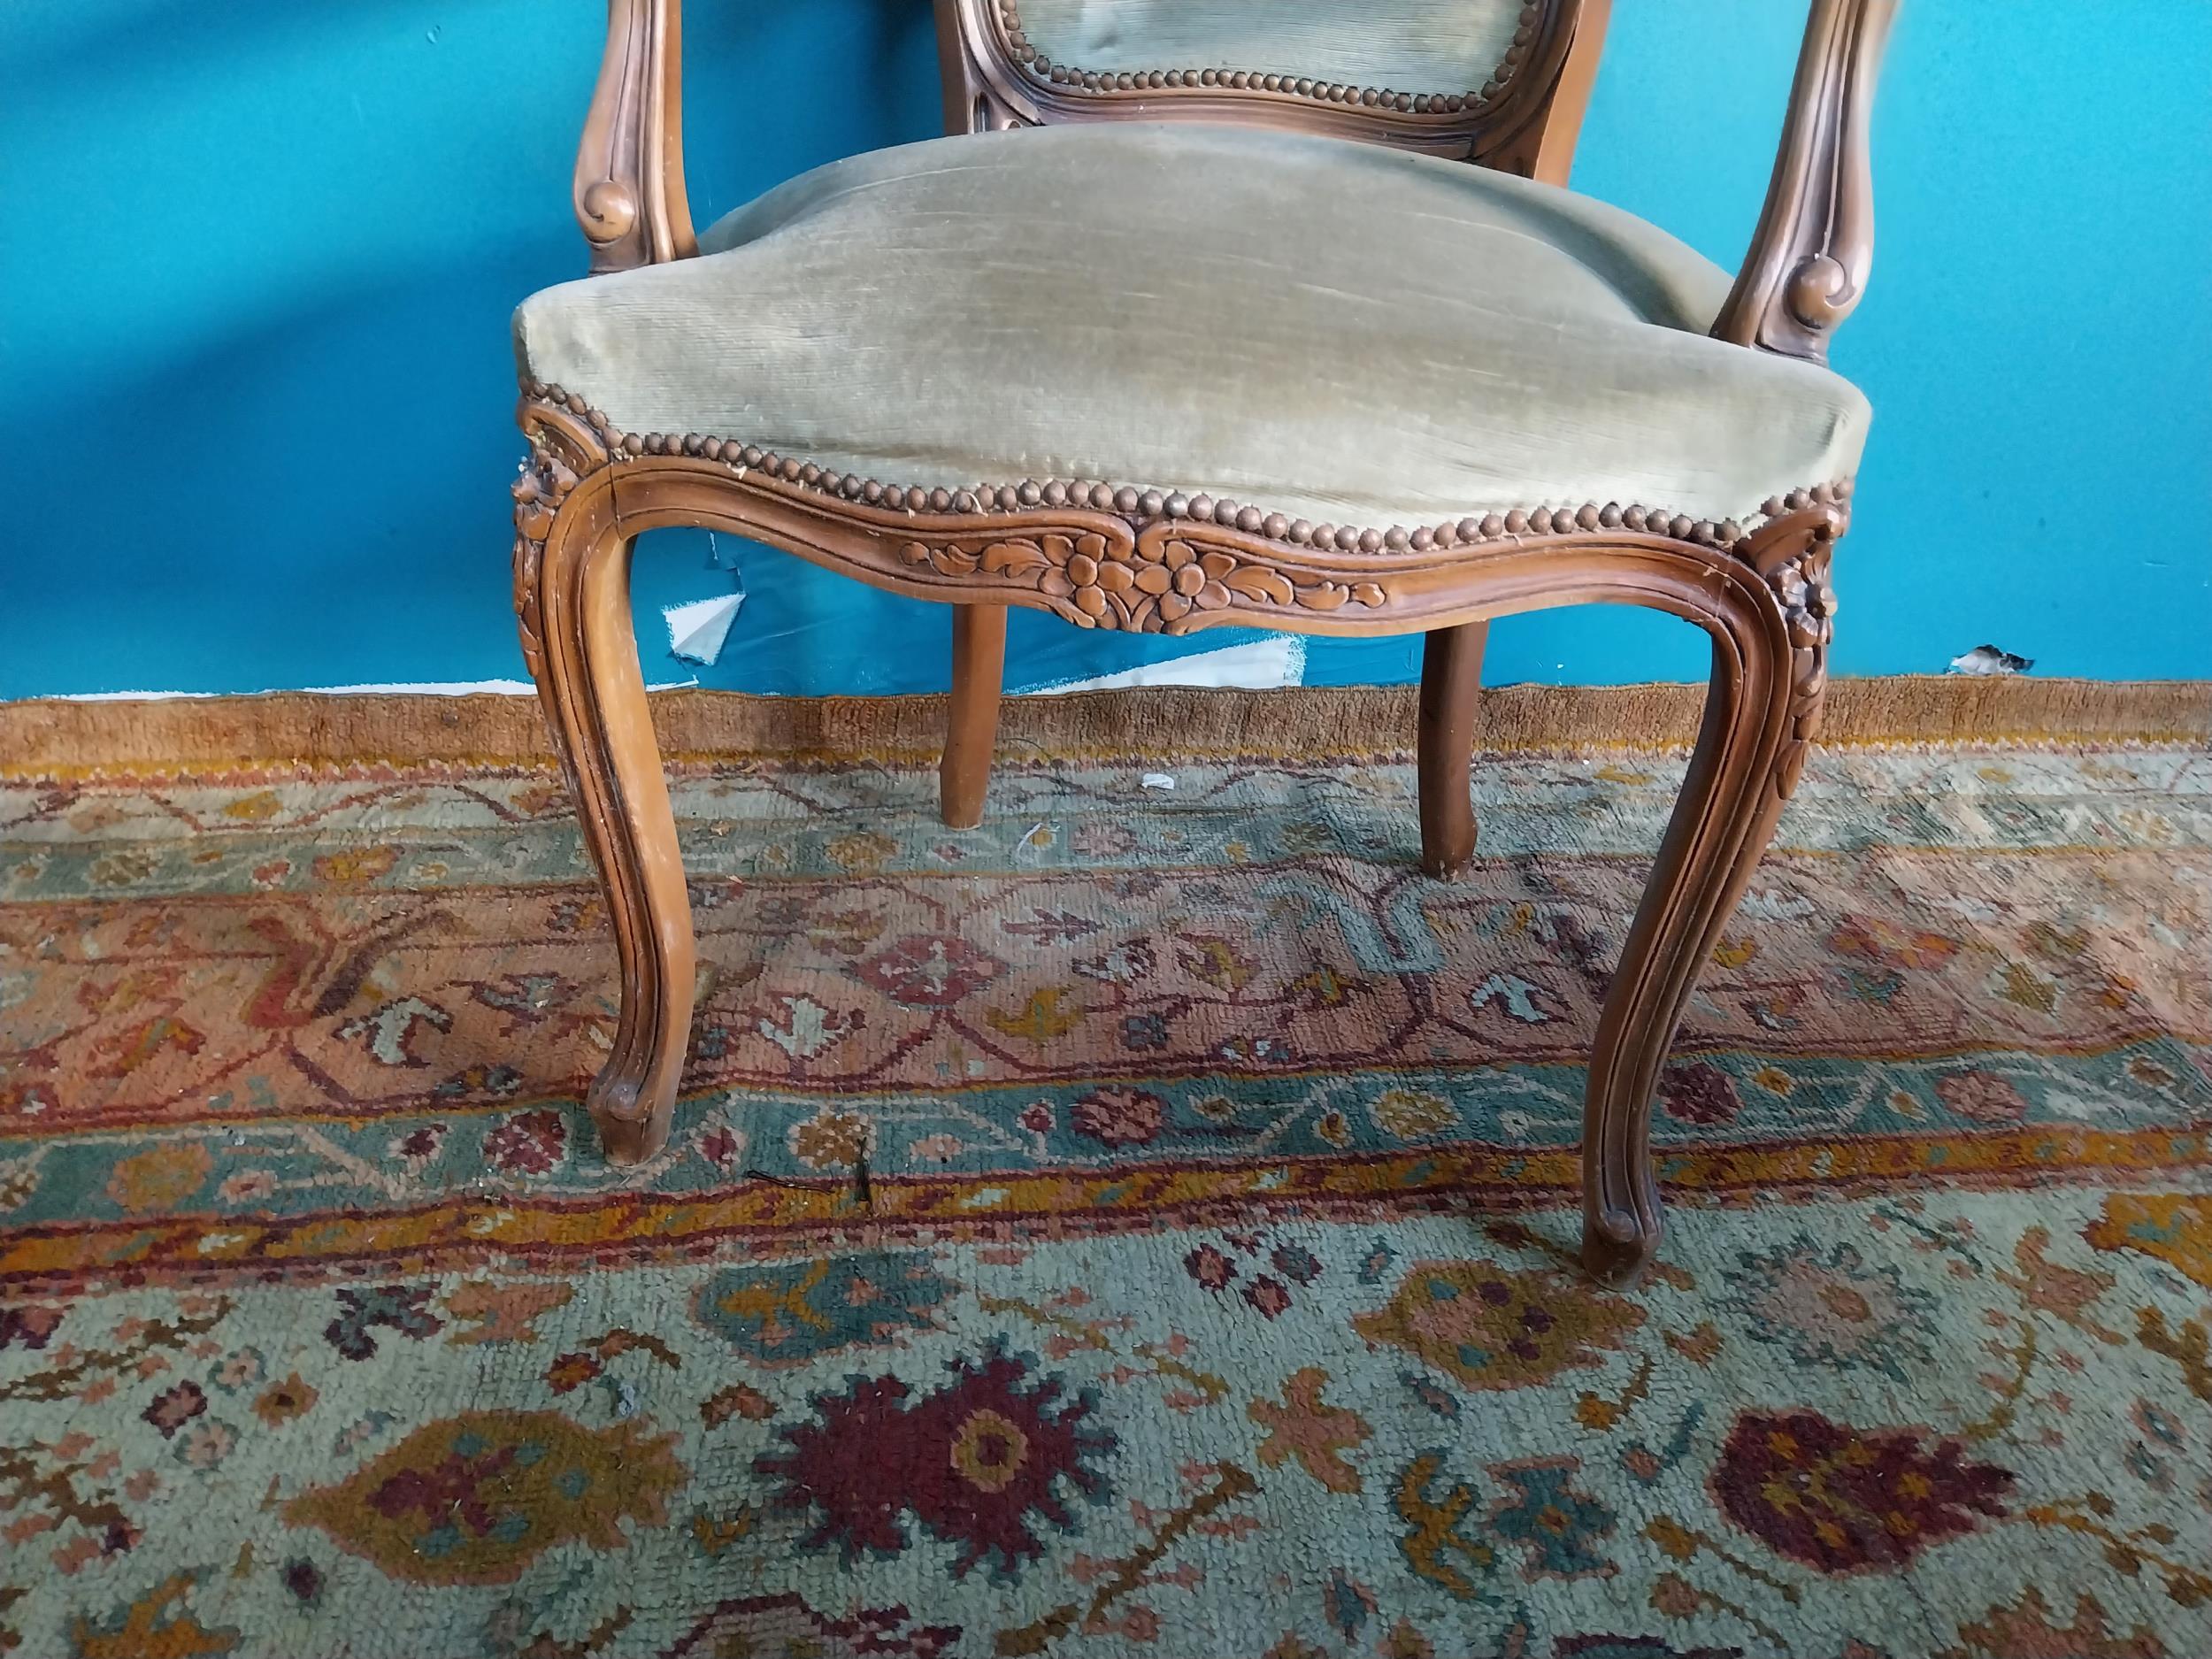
(1142,1226)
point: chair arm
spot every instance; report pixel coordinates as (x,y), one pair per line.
(1813,251)
(629,187)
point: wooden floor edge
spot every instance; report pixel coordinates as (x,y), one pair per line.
(62,739)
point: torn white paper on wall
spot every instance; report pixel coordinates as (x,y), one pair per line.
(696,630)
(1989,659)
(1258,665)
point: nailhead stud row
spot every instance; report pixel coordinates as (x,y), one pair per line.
(1142,506)
(1043,68)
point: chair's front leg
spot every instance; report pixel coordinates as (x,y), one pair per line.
(1451,680)
(1770,673)
(574,596)
(978,670)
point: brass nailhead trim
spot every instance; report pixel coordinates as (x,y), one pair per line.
(1141,507)
(1044,69)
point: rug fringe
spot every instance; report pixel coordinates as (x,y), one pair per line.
(62,739)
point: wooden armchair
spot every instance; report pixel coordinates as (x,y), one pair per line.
(1162,376)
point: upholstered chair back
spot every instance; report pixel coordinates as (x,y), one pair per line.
(1499,81)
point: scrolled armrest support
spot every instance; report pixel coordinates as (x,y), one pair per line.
(1813,249)
(629,188)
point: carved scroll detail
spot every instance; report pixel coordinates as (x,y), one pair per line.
(1809,610)
(629,187)
(544,484)
(1794,553)
(1813,249)
(562,449)
(1142,586)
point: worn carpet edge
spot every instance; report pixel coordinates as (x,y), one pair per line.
(60,738)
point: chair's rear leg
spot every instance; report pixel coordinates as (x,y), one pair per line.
(978,669)
(1451,679)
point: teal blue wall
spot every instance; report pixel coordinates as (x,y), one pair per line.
(254,299)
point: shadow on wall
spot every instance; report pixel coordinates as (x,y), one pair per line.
(318,504)
(290,241)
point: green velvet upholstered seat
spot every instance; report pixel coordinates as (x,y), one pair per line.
(1327,330)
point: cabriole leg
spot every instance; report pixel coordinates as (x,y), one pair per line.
(573,598)
(1769,667)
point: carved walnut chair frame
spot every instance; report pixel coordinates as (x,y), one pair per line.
(1098,553)
(1523,119)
